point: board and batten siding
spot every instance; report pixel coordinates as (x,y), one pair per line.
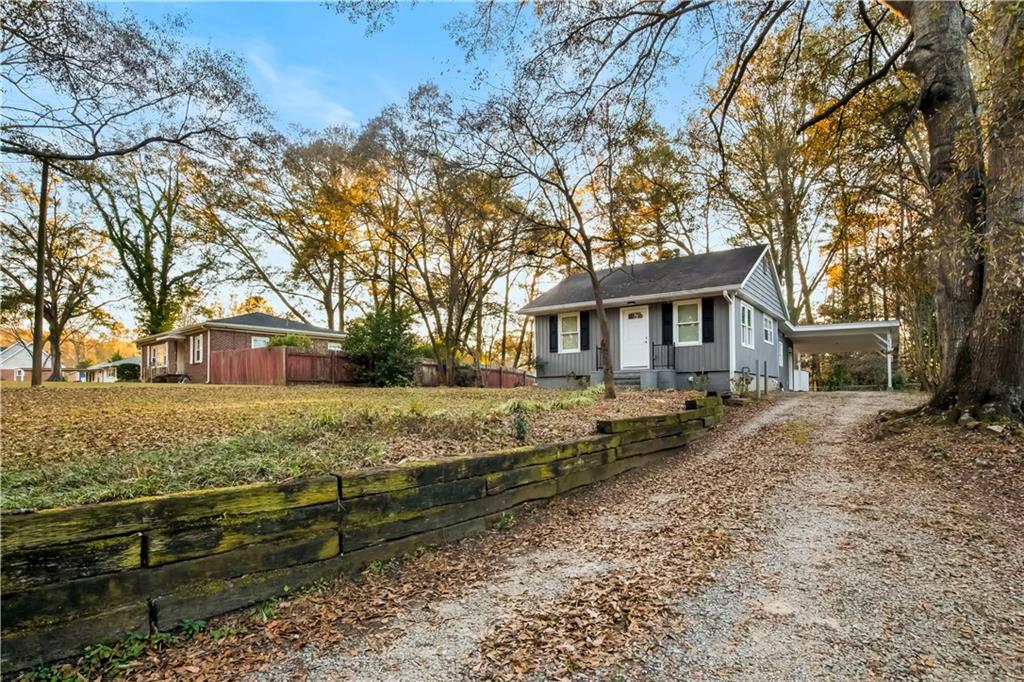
(752,359)
(710,356)
(581,363)
(760,288)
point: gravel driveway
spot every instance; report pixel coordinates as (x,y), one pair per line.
(776,548)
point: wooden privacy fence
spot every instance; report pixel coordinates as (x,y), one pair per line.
(77,576)
(279,366)
(432,374)
(317,368)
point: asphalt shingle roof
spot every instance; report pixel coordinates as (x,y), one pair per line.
(270,321)
(718,269)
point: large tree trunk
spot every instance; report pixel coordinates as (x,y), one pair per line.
(997,339)
(978,227)
(55,355)
(37,311)
(605,347)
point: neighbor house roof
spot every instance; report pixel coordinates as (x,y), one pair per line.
(697,274)
(19,356)
(257,323)
(112,363)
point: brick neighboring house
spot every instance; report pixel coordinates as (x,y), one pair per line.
(185,352)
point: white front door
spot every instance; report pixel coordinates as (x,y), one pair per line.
(634,344)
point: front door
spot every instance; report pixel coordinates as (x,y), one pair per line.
(634,342)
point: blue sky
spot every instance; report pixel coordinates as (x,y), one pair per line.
(314,68)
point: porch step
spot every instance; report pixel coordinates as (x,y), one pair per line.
(627,380)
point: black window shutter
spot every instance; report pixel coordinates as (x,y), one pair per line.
(666,324)
(553,333)
(707,320)
(585,330)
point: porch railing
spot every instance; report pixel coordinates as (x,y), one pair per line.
(663,356)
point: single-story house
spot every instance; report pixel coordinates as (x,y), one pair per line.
(104,372)
(185,352)
(720,314)
(16,363)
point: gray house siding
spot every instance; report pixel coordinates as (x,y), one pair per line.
(559,370)
(760,289)
(556,370)
(752,359)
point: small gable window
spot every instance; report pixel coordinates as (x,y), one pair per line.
(687,323)
(769,330)
(746,325)
(568,333)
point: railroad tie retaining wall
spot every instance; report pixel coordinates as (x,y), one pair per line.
(81,575)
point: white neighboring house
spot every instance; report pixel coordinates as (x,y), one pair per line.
(106,372)
(16,362)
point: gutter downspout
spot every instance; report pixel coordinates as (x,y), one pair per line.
(732,335)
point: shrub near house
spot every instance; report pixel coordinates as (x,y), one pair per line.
(382,347)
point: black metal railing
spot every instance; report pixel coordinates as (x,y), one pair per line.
(663,356)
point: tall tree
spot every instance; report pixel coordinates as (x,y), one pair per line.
(978,217)
(569,162)
(166,257)
(975,215)
(76,262)
(295,199)
(82,84)
(454,232)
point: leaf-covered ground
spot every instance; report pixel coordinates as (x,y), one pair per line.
(798,541)
(73,443)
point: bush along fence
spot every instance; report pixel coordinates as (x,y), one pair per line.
(81,575)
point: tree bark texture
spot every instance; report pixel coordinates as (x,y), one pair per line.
(37,315)
(976,220)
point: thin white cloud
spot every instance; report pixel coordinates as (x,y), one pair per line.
(296,93)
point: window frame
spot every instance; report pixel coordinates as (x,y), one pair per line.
(152,356)
(675,322)
(252,342)
(195,343)
(746,307)
(337,345)
(561,333)
(768,329)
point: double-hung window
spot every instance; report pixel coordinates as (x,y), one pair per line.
(687,323)
(781,353)
(568,332)
(769,330)
(195,348)
(746,325)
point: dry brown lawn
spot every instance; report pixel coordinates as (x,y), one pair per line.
(73,443)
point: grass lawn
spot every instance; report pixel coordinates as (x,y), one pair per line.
(75,443)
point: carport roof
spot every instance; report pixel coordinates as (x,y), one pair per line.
(842,337)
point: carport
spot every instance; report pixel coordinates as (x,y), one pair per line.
(842,337)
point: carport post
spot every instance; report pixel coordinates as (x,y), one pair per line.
(888,360)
